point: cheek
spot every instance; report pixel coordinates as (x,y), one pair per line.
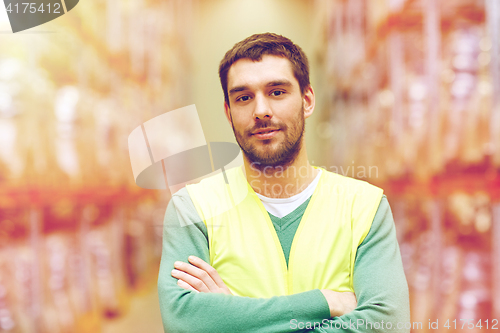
(240,124)
(291,113)
(289,106)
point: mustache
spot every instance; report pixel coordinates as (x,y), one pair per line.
(264,125)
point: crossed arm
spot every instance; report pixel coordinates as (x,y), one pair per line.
(379,284)
(198,276)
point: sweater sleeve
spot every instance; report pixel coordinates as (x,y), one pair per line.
(379,283)
(184,234)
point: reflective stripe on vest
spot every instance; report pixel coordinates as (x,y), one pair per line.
(246,251)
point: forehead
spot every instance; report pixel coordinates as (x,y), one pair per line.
(246,72)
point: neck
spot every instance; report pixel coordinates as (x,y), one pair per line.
(279,181)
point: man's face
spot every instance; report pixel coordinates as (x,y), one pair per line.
(267,110)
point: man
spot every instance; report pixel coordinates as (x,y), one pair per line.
(278,245)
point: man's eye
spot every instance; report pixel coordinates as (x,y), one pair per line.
(277,93)
(243,98)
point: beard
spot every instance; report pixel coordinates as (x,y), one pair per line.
(267,153)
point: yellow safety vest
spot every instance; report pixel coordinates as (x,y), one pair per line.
(246,251)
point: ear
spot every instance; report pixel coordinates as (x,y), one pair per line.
(308,101)
(227,112)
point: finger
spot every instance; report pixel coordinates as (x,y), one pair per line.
(199,273)
(193,281)
(212,272)
(198,262)
(186,286)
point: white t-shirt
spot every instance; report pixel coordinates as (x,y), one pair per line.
(281,207)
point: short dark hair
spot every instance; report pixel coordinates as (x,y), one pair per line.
(257,45)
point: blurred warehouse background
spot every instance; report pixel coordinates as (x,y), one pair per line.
(408,98)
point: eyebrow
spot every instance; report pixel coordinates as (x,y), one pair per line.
(270,84)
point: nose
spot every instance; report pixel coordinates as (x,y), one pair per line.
(262,108)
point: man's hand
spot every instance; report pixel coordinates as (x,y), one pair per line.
(340,303)
(199,276)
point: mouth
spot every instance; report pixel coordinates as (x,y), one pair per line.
(265,133)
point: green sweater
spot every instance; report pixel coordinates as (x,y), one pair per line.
(379,283)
